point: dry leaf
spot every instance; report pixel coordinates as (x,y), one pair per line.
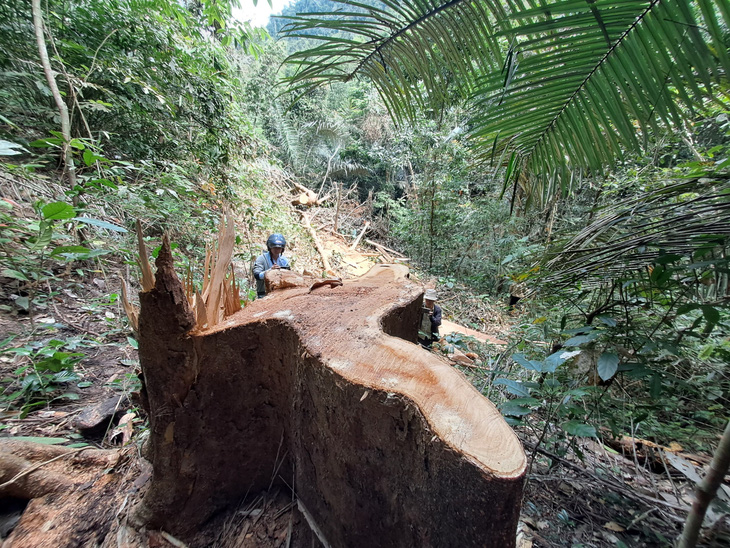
(125,429)
(613,526)
(148,278)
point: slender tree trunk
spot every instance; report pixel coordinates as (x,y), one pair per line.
(706,491)
(337,208)
(327,173)
(552,210)
(431,229)
(68,161)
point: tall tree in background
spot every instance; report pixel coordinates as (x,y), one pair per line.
(144,79)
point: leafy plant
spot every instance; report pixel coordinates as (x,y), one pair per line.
(545,396)
(37,238)
(47,369)
(128,383)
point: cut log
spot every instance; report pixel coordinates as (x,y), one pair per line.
(322,388)
(448,327)
(305,197)
(74,495)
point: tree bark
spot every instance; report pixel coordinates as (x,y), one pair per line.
(60,103)
(323,388)
(73,495)
(706,491)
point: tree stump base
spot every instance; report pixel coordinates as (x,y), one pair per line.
(323,388)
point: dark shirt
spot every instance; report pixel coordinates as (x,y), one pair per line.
(435,319)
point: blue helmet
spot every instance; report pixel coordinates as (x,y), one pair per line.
(275,240)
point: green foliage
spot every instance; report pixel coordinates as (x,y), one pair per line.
(636,296)
(300,7)
(144,80)
(37,240)
(47,368)
(547,83)
(653,338)
(157,126)
(547,395)
(128,383)
(449,218)
(638,351)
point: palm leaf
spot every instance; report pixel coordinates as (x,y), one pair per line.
(562,83)
(678,219)
(289,136)
(575,97)
(408,49)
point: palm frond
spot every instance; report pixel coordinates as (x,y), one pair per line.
(288,135)
(411,51)
(561,83)
(578,101)
(680,219)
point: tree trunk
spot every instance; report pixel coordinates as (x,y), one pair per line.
(68,161)
(706,491)
(323,388)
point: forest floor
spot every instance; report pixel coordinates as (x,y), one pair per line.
(635,494)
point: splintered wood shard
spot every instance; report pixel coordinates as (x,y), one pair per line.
(148,279)
(383,443)
(131,310)
(220,297)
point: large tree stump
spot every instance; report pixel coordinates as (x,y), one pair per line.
(323,388)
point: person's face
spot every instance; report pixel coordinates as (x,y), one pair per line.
(276,251)
(430,303)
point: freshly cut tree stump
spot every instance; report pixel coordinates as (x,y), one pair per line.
(323,387)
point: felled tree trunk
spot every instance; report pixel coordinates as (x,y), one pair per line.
(323,387)
(73,496)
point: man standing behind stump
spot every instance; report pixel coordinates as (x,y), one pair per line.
(272,259)
(431,319)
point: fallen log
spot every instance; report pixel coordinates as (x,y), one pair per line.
(317,243)
(362,233)
(382,252)
(392,251)
(71,496)
(305,197)
(322,388)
